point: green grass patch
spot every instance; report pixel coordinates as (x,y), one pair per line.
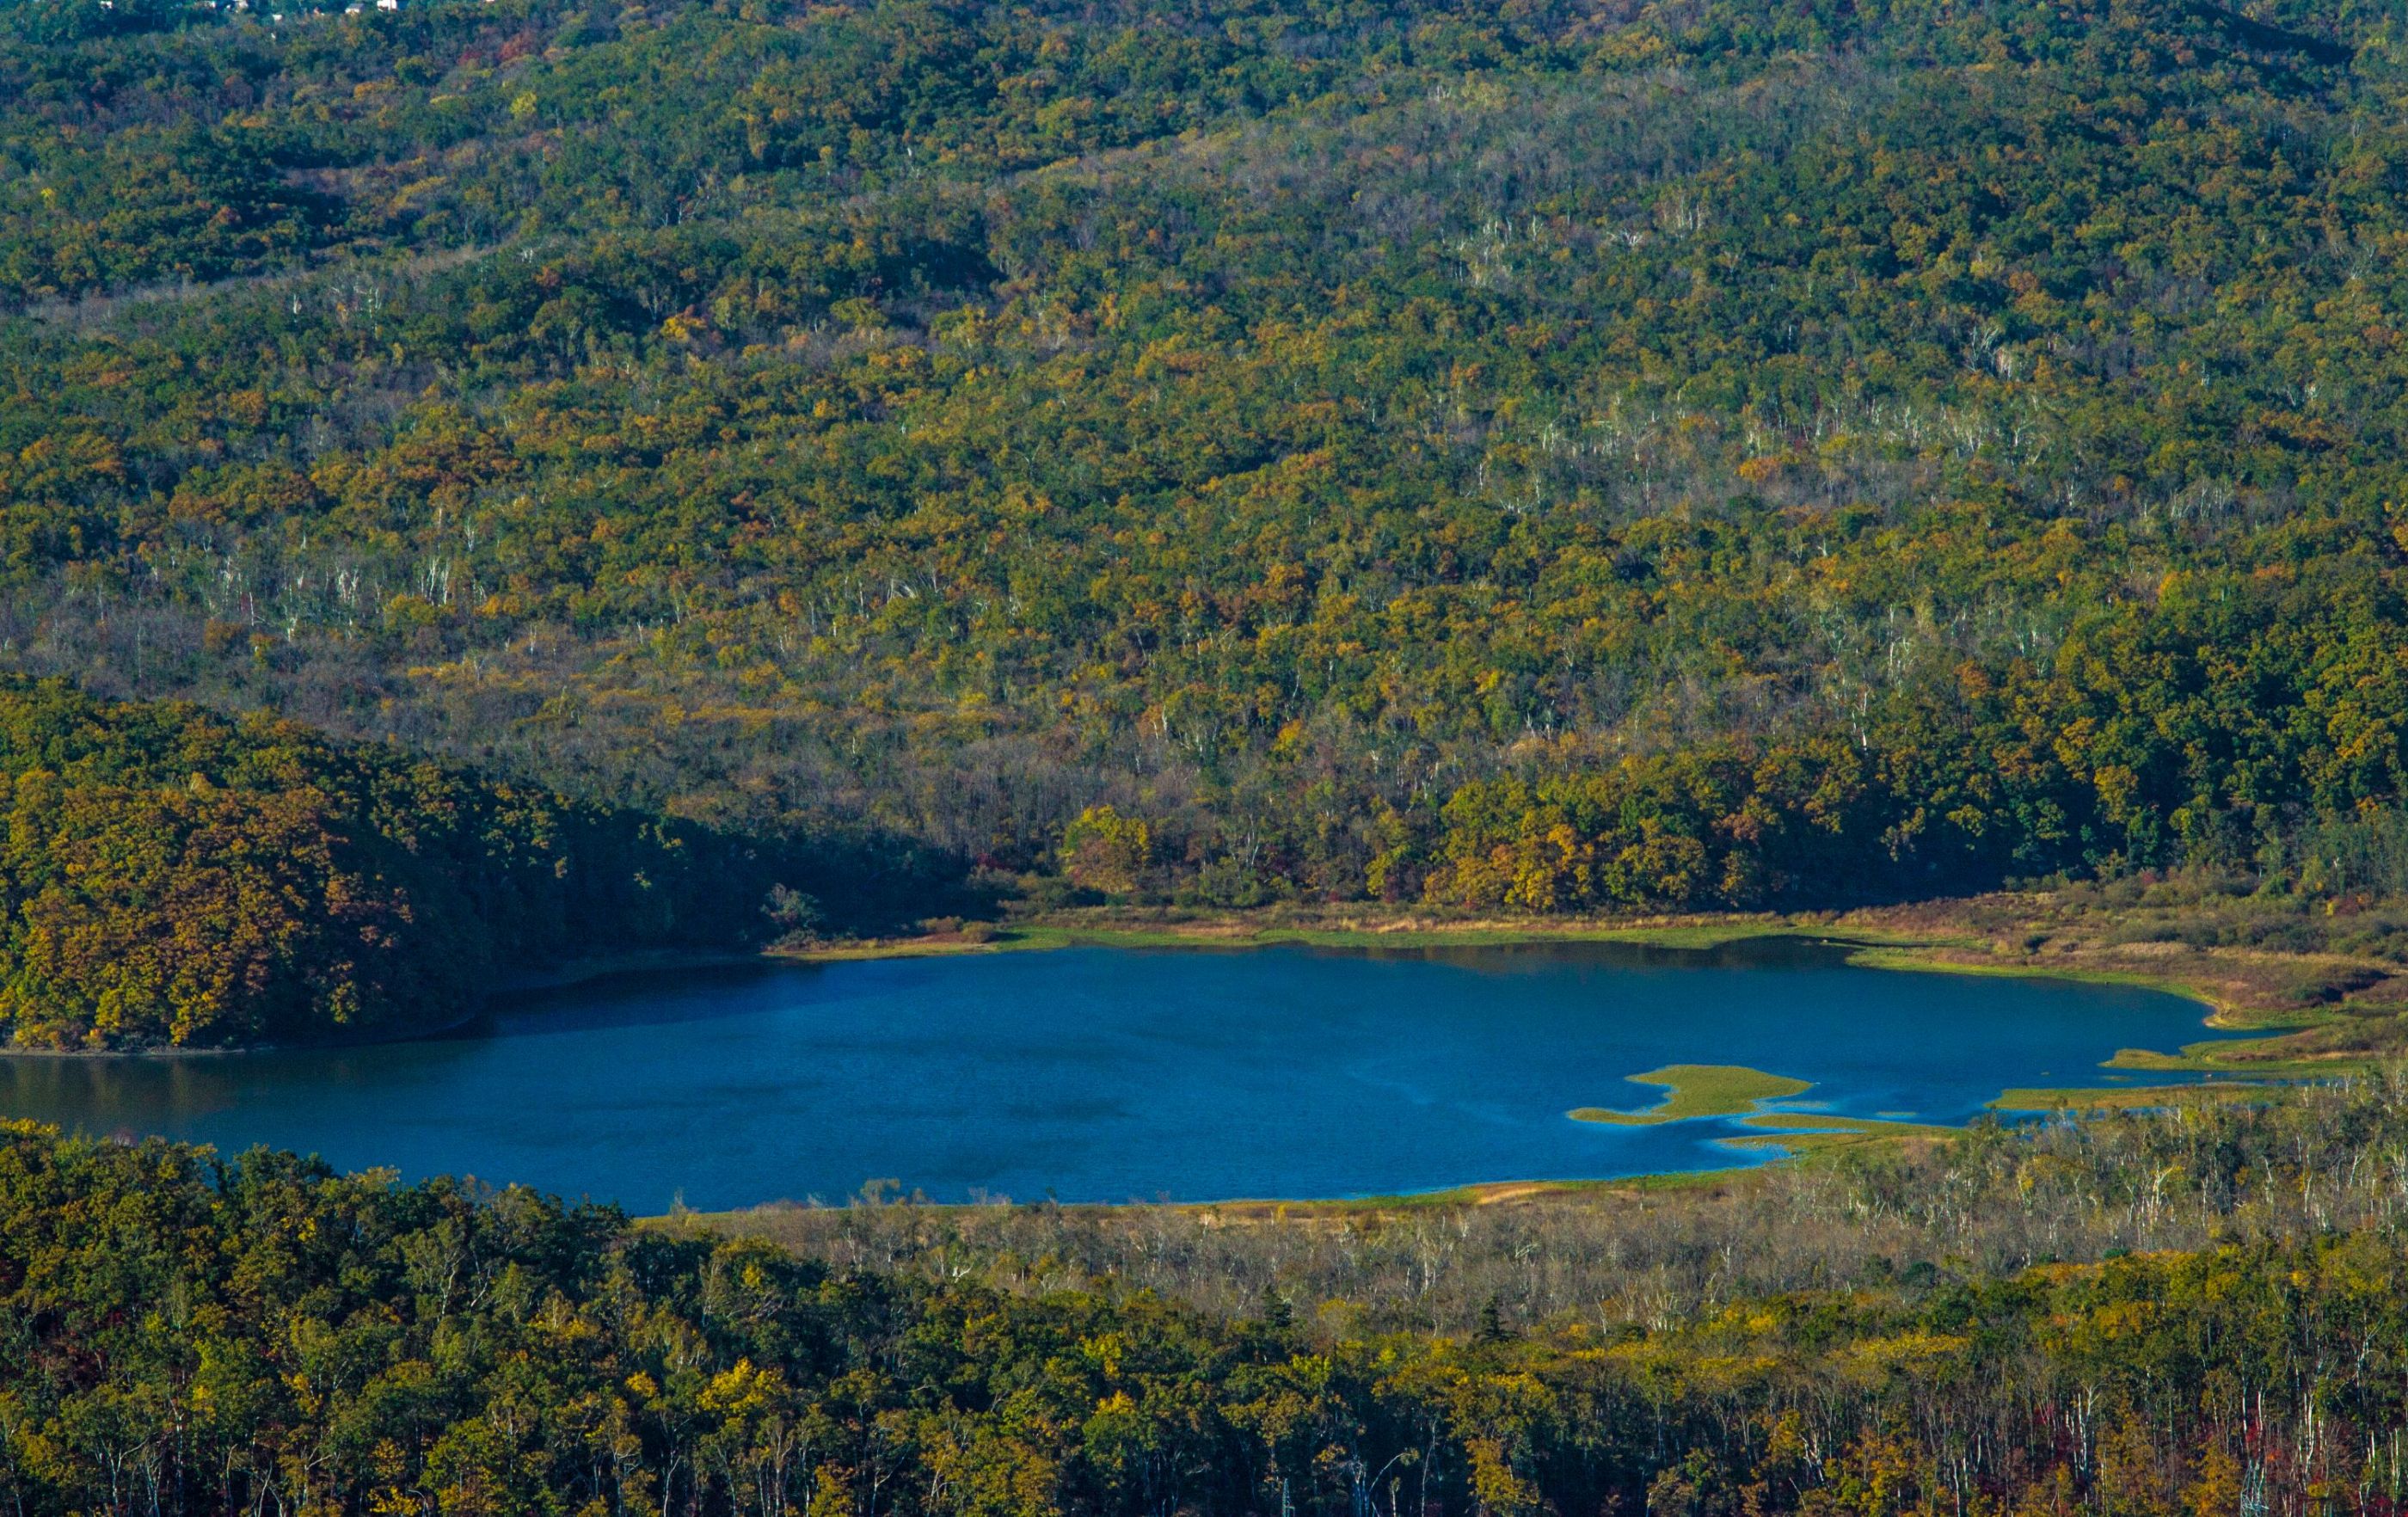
(1805,1135)
(1699,935)
(1726,1090)
(2121,1098)
(1915,960)
(894,947)
(1239,933)
(2254,1056)
(1698,1090)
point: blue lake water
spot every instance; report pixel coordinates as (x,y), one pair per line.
(1109,1074)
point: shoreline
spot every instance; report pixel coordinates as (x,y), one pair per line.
(1946,937)
(2242,991)
(560,977)
(1872,938)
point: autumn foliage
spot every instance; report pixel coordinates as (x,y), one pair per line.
(173,877)
(2176,1315)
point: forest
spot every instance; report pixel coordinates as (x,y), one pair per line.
(1551,456)
(488,486)
(2190,1312)
(172,877)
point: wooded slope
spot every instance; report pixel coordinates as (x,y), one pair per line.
(189,1337)
(1553,456)
(171,877)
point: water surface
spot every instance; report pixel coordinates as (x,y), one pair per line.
(1106,1074)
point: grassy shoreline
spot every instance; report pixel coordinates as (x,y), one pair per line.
(1988,935)
(1940,936)
(1926,942)
(2307,1027)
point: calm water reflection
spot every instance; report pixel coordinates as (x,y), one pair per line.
(1096,1074)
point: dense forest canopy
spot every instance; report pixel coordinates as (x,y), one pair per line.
(1549,455)
(170,877)
(185,1336)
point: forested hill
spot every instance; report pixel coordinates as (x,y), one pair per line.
(193,1338)
(168,877)
(1548,454)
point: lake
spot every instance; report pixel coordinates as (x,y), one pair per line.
(1096,1074)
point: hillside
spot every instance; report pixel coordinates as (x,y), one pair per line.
(488,485)
(1555,456)
(168,878)
(2186,1314)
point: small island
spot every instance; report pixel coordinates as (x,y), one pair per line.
(1698,1090)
